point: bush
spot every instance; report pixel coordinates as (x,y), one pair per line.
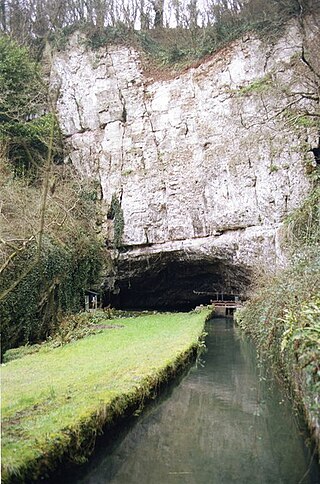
(21,87)
(42,281)
(26,128)
(54,286)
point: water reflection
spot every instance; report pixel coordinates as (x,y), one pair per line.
(224,424)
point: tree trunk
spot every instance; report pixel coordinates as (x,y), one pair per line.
(3,18)
(158,6)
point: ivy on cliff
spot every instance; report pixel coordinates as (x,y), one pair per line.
(115,213)
(54,286)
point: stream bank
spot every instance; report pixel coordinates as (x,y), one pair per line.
(227,422)
(57,401)
(283,319)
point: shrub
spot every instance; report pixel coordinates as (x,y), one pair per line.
(55,285)
(25,124)
(40,282)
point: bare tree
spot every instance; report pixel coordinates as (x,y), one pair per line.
(158,6)
(193,13)
(3,15)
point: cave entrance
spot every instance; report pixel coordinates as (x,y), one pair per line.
(174,281)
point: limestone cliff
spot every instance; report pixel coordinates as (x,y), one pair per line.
(203,166)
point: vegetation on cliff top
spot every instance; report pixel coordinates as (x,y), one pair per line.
(56,401)
(172,32)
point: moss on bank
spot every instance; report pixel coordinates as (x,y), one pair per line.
(56,402)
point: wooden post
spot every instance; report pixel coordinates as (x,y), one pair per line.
(86,303)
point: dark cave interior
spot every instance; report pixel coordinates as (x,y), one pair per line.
(173,281)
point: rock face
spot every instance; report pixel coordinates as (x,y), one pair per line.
(201,168)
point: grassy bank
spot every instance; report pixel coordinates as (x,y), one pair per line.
(283,318)
(57,400)
(283,313)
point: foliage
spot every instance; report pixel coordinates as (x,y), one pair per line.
(55,285)
(303,225)
(199,31)
(58,38)
(179,47)
(49,249)
(301,337)
(25,126)
(258,86)
(115,213)
(274,168)
(275,296)
(282,314)
(300,116)
(21,87)
(190,42)
(305,121)
(50,413)
(118,33)
(41,283)
(27,143)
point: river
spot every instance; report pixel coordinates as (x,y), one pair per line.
(226,422)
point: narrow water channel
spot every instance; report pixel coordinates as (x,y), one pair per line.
(225,423)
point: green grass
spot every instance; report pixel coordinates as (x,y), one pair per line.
(256,87)
(56,400)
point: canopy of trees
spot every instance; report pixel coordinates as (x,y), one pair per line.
(30,19)
(23,131)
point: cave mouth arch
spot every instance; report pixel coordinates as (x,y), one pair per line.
(174,281)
